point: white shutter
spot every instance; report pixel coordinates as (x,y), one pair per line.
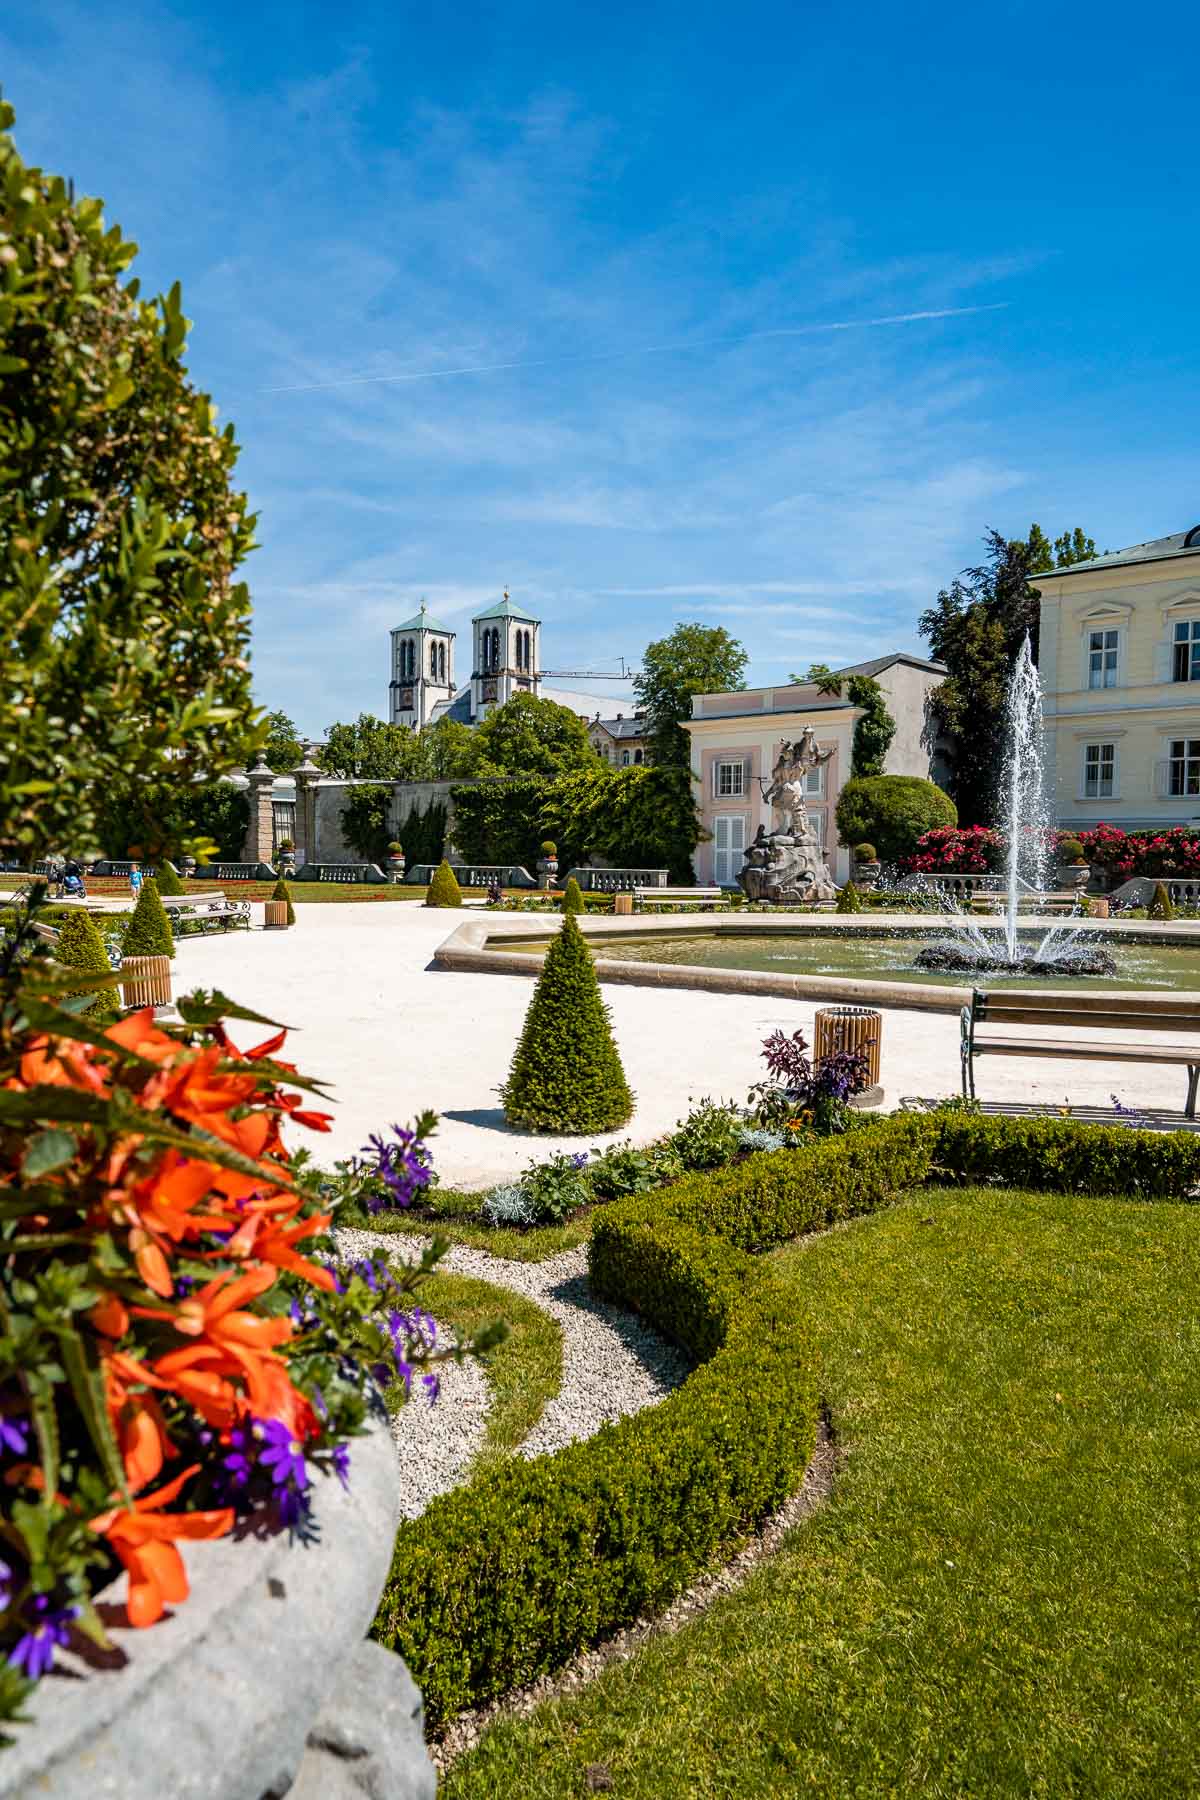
(747,774)
(721,849)
(1163,660)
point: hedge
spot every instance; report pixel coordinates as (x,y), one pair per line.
(500,1582)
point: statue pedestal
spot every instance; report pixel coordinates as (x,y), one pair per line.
(787,870)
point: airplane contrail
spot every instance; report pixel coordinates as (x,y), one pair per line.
(542,362)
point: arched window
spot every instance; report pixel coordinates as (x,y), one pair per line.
(441,662)
(637,756)
(495,649)
(407,660)
(432,660)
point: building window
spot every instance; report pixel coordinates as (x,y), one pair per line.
(1102,659)
(624,759)
(1184,766)
(729,847)
(637,756)
(1187,650)
(1099,771)
(729,779)
(283,822)
(814,782)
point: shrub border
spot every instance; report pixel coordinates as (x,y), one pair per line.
(504,1581)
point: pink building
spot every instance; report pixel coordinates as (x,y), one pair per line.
(736,738)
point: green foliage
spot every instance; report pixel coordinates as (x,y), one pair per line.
(149,932)
(281,891)
(566,1075)
(864,853)
(848,900)
(1070,850)
(531,735)
(622,1170)
(695,659)
(708,1137)
(976,627)
(572,900)
(640,817)
(80,947)
(1161,905)
(555,1188)
(424,834)
(168,881)
(215,811)
(1060,1156)
(123,650)
(370,750)
(281,747)
(366,821)
(893,811)
(444,889)
(873,730)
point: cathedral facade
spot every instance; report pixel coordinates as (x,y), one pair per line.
(505,660)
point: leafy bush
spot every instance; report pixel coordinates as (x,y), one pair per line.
(961,850)
(168,881)
(757,1137)
(848,900)
(424,833)
(508,1204)
(623,1170)
(1173,851)
(366,820)
(548,847)
(557,1187)
(281,891)
(708,1136)
(444,889)
(1161,905)
(1062,1156)
(149,932)
(892,811)
(566,1074)
(572,900)
(797,1096)
(864,853)
(81,947)
(641,817)
(1070,850)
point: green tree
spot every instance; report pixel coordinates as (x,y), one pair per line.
(365,821)
(976,627)
(891,812)
(81,947)
(875,727)
(566,1074)
(447,751)
(444,889)
(281,891)
(168,881)
(572,900)
(123,630)
(533,736)
(149,932)
(695,659)
(370,750)
(281,749)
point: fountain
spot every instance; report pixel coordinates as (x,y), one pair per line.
(1027,816)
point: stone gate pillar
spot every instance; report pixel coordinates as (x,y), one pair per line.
(260,833)
(306,778)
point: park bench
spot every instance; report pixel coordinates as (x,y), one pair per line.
(207,909)
(1094,1013)
(680,896)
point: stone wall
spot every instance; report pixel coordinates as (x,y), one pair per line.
(329,796)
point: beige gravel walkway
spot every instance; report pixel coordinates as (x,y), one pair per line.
(392,1035)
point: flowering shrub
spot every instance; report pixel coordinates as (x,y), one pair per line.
(174,1351)
(1173,851)
(801,1099)
(969,850)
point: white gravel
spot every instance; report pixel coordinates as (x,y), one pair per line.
(613,1364)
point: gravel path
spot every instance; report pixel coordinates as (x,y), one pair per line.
(613,1364)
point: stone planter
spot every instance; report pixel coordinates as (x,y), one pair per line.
(866,874)
(1073,877)
(285,862)
(187,866)
(261,1680)
(395,869)
(547,870)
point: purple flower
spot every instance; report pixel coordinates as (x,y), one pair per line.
(432,1386)
(341,1463)
(282,1455)
(34,1651)
(6,1585)
(240,1460)
(14,1435)
(579,1160)
(292,1506)
(403,1167)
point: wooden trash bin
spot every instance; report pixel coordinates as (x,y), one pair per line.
(275,915)
(146,981)
(622,903)
(849,1028)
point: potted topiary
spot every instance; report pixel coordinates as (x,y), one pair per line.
(1073,871)
(395,862)
(285,855)
(548,865)
(867,866)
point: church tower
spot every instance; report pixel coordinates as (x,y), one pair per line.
(507,655)
(422,669)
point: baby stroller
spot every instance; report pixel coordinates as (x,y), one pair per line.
(72,886)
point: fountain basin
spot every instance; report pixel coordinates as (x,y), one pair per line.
(968,959)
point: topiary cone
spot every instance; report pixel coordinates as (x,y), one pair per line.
(572,900)
(444,889)
(566,1074)
(281,891)
(1161,904)
(168,881)
(848,900)
(149,932)
(80,947)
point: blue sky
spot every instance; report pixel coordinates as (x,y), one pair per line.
(640,210)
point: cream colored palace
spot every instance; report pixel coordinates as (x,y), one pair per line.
(1120,666)
(736,738)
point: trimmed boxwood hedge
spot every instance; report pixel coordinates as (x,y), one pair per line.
(504,1580)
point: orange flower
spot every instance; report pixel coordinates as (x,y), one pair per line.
(139,1033)
(272,1242)
(61,1062)
(232,1343)
(143,1536)
(137,1418)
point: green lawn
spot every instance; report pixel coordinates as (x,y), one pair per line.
(455,1217)
(523,1372)
(1000,1596)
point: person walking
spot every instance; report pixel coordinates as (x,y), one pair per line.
(135,880)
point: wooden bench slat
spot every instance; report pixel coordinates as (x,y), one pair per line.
(1166,1053)
(1094,1021)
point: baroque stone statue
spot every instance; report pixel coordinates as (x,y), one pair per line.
(788,867)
